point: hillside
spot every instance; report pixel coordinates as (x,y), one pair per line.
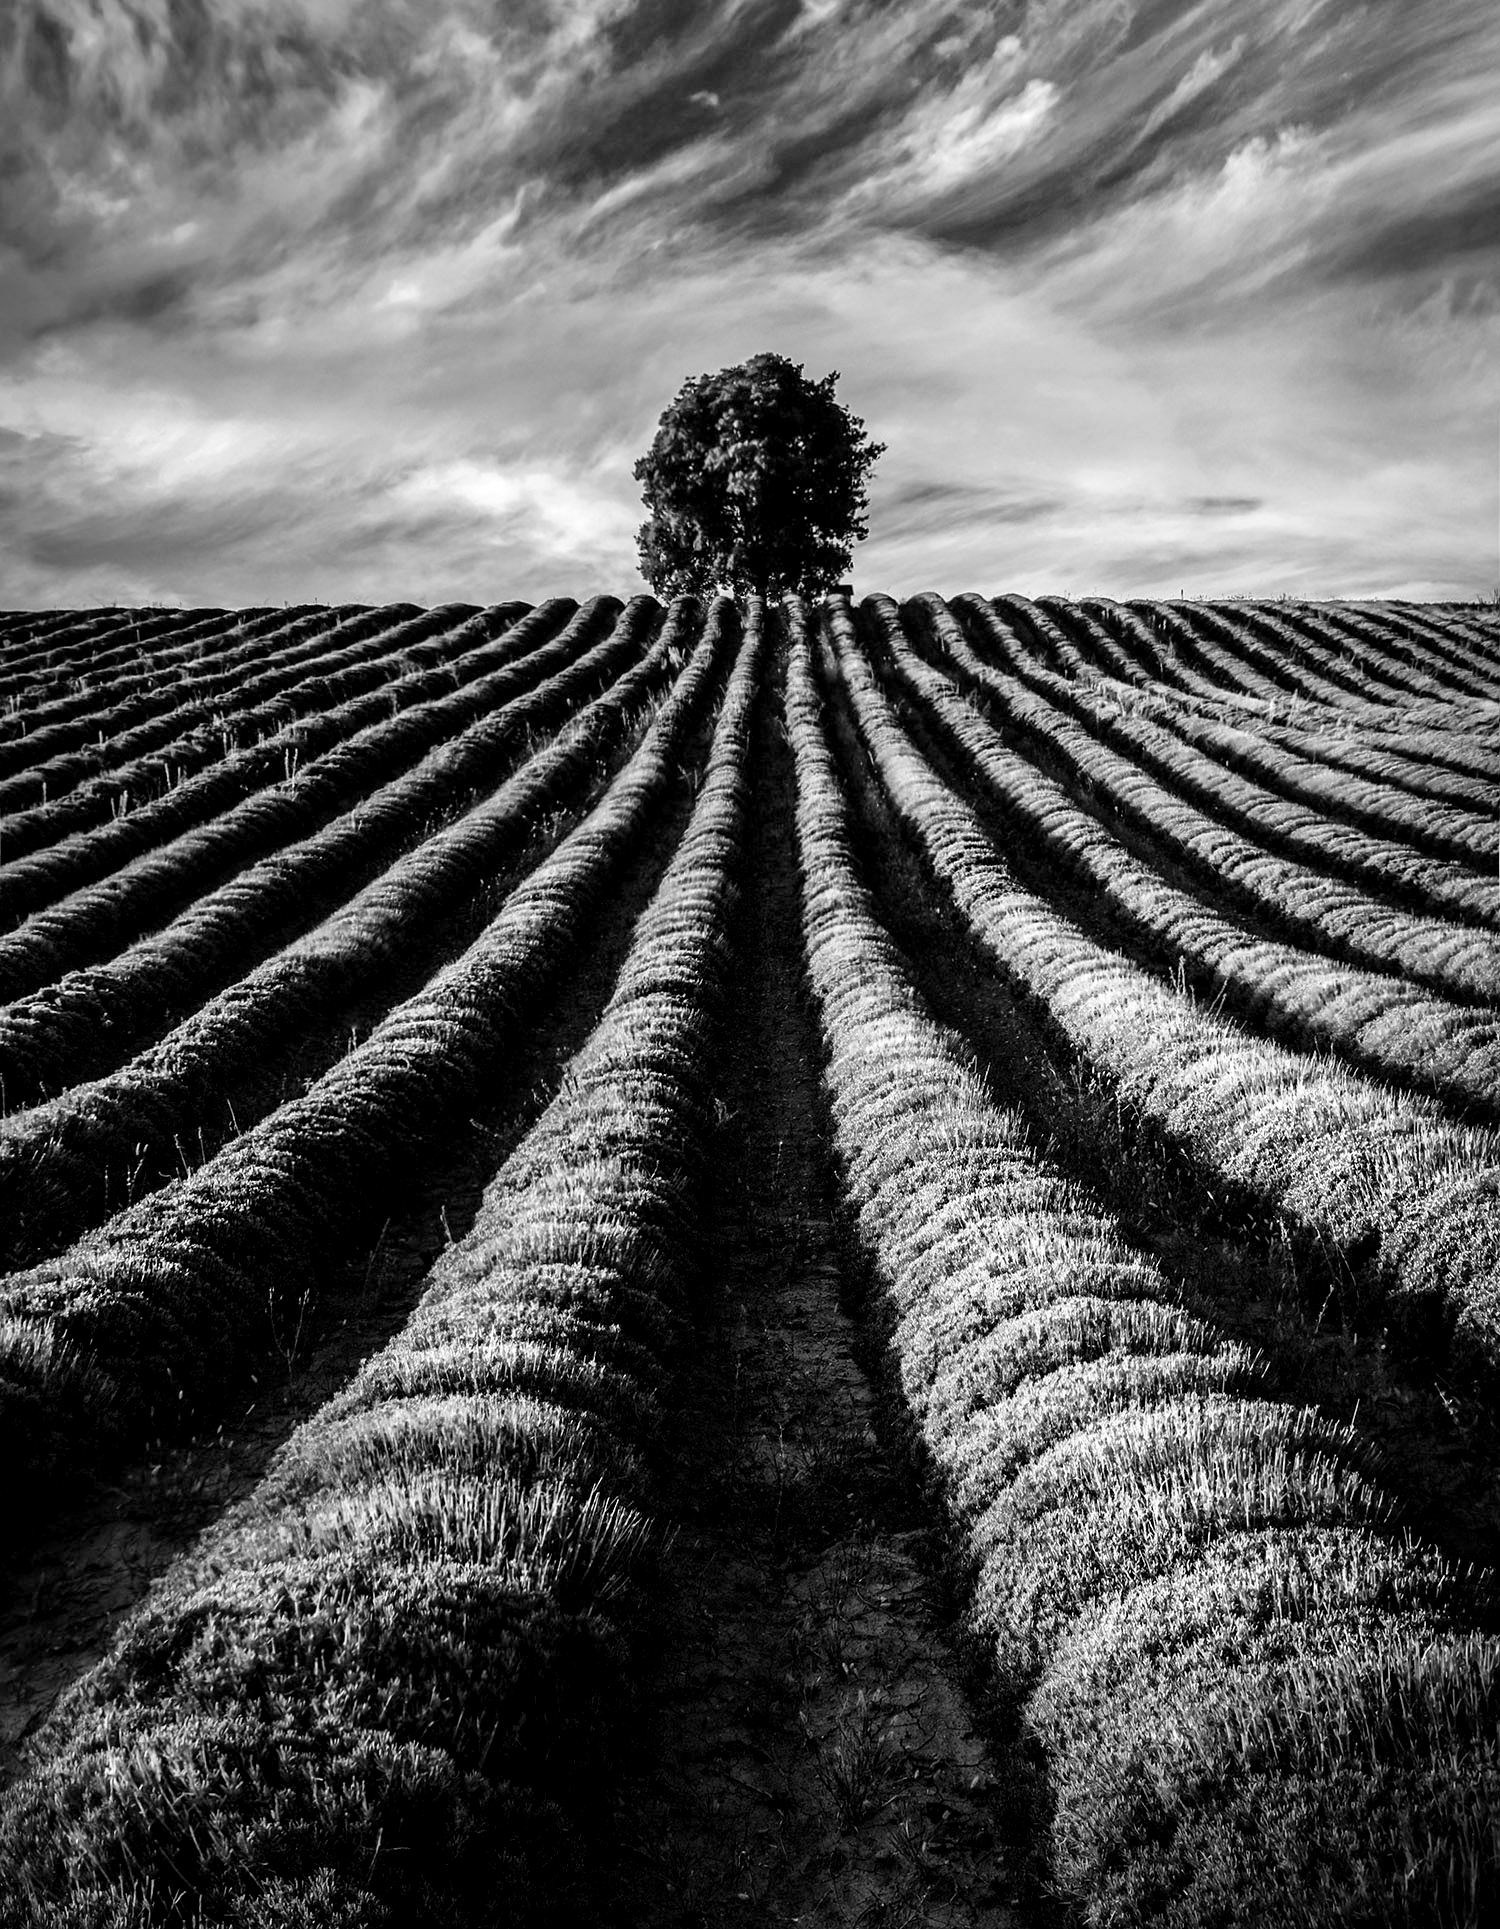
(740,1264)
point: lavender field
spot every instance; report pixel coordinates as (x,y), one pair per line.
(747,1262)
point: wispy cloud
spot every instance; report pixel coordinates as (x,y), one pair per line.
(382,298)
(1200,80)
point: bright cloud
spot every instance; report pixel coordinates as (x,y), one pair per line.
(950,137)
(555,510)
(1205,73)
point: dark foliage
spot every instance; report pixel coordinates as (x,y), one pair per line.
(755,482)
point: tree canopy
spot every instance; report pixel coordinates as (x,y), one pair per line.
(756,482)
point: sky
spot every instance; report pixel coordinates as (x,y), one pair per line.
(377,300)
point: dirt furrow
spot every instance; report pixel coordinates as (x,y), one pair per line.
(818,1758)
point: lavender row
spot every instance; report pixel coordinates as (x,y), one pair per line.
(1387,1028)
(1255,1699)
(475,1515)
(58,1159)
(1316,910)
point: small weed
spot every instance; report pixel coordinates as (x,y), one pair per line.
(901,1904)
(290,1346)
(913,1851)
(373,1264)
(857,1763)
(836,1601)
(807,1493)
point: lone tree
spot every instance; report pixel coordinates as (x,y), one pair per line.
(755,481)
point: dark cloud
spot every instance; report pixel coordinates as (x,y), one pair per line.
(166,539)
(1458,237)
(917,508)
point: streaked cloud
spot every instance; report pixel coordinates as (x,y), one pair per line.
(1200,79)
(307,297)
